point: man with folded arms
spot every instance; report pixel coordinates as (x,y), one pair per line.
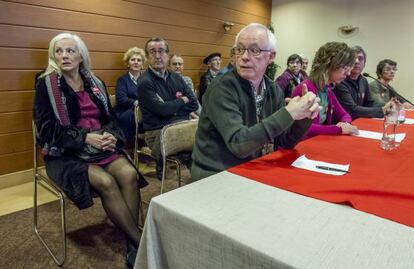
(244,113)
(164,97)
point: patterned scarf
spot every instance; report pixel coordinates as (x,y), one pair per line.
(58,101)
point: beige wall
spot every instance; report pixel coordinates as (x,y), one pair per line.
(385,31)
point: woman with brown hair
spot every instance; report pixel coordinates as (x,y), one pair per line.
(332,63)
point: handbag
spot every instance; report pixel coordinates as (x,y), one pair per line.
(90,154)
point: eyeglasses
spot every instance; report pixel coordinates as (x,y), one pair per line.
(154,52)
(346,68)
(251,51)
(177,64)
(297,62)
(388,69)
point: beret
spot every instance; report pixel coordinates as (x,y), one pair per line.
(208,57)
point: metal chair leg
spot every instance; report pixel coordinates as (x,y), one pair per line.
(164,173)
(179,174)
(59,261)
(141,212)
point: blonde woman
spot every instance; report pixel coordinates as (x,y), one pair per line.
(127,92)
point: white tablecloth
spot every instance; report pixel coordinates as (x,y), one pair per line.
(227,221)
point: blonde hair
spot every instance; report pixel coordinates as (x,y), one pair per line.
(83,51)
(134,51)
(330,57)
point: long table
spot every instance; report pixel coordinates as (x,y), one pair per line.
(231,221)
(380,182)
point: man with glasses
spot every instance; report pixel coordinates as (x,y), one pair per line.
(163,97)
(177,66)
(353,92)
(244,114)
(213,62)
(305,62)
(292,76)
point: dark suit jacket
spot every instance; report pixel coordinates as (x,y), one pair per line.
(205,80)
(354,96)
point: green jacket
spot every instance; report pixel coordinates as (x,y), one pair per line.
(229,133)
(381,94)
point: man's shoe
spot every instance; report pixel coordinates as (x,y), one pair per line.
(130,258)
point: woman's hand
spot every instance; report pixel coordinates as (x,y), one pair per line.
(94,140)
(108,141)
(347,128)
(407,106)
(392,104)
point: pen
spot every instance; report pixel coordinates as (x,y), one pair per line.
(331,169)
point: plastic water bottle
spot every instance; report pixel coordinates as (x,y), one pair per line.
(390,126)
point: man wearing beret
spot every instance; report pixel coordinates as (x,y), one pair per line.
(213,62)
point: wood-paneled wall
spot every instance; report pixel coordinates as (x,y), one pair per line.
(108,27)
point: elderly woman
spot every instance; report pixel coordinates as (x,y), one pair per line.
(127,92)
(80,140)
(292,76)
(381,91)
(333,62)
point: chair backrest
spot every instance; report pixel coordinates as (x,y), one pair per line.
(35,149)
(138,115)
(112,100)
(178,137)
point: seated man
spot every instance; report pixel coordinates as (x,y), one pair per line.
(305,63)
(244,113)
(353,93)
(213,62)
(164,97)
(292,76)
(176,65)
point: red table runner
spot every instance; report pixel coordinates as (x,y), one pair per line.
(380,182)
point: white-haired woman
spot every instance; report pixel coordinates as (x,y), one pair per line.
(127,91)
(81,142)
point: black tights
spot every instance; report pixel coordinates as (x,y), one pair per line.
(117,186)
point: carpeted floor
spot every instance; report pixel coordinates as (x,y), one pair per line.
(92,242)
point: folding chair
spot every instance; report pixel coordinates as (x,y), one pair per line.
(112,100)
(41,179)
(176,138)
(139,137)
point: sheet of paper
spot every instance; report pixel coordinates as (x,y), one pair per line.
(304,163)
(376,135)
(409,121)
